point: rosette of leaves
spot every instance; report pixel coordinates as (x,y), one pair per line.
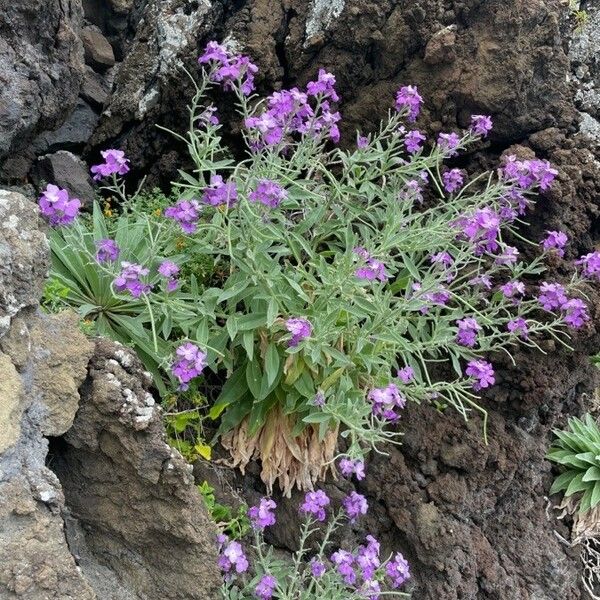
(577,449)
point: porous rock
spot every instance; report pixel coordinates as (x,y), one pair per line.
(134,496)
(23,256)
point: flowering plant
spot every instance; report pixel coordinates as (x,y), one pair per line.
(352,280)
(315,571)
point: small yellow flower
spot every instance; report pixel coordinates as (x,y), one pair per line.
(180,244)
(157,212)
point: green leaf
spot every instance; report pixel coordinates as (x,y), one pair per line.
(592,474)
(562,481)
(248,343)
(231,392)
(272,312)
(595,495)
(272,363)
(254,378)
(576,485)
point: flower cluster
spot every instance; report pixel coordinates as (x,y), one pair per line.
(591,265)
(290,111)
(130,279)
(315,504)
(269,193)
(300,328)
(189,364)
(229,68)
(169,270)
(372,269)
(219,192)
(361,571)
(528,174)
(57,207)
(409,99)
(186,213)
(555,240)
(386,400)
(114,163)
(262,515)
(467,332)
(349,467)
(107,251)
(482,373)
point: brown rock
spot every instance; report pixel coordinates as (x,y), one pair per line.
(98,51)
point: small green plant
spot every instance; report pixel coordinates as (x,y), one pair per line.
(54,296)
(234,525)
(578,451)
(185,431)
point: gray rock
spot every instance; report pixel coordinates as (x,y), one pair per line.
(98,51)
(35,560)
(94,89)
(24,256)
(41,62)
(73,134)
(67,171)
(133,495)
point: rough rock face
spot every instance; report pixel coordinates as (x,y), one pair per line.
(134,496)
(23,256)
(43,360)
(41,66)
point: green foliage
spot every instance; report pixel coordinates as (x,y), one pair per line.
(55,296)
(233,524)
(578,451)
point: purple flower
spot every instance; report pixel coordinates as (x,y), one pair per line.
(442,258)
(300,329)
(220,193)
(265,588)
(350,467)
(591,265)
(509,256)
(189,364)
(482,280)
(208,116)
(172,284)
(114,163)
(269,193)
(528,173)
(186,213)
(408,97)
(518,326)
(168,269)
(317,568)
(319,399)
(482,229)
(130,279)
(355,504)
(261,515)
(513,289)
(361,142)
(556,240)
(368,558)
(398,570)
(406,374)
(467,332)
(107,251)
(314,504)
(57,207)
(453,180)
(374,269)
(214,52)
(448,142)
(229,68)
(386,400)
(324,86)
(480,125)
(411,192)
(344,562)
(232,557)
(413,141)
(575,313)
(483,373)
(552,296)
(371,589)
